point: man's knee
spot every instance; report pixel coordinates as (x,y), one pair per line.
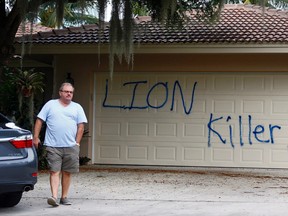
(53,173)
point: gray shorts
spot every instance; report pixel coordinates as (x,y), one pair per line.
(63,158)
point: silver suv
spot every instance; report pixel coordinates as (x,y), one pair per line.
(18,162)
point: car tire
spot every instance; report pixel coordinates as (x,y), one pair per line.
(10,199)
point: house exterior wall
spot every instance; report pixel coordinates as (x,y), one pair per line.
(179,62)
(263,70)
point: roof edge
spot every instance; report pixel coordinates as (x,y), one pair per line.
(158,49)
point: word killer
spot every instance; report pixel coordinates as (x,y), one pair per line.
(147,104)
(254,132)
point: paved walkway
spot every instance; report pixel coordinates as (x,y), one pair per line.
(141,191)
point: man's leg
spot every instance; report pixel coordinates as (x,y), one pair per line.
(66,181)
(54,158)
(70,165)
(54,183)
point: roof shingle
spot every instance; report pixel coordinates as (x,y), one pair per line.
(237,24)
(27,29)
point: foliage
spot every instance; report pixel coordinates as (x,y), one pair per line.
(17,94)
(17,89)
(28,81)
(84,160)
(139,10)
(279,4)
(74,14)
(8,94)
(42,160)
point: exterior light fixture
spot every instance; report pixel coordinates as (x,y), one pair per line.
(69,79)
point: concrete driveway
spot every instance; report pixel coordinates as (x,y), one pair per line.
(104,190)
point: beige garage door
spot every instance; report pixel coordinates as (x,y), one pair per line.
(190,119)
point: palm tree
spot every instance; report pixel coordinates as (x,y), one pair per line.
(277,4)
(74,14)
(27,83)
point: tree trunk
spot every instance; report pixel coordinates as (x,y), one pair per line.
(10,22)
(9,25)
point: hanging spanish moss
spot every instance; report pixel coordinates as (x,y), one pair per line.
(122,27)
(115,34)
(128,26)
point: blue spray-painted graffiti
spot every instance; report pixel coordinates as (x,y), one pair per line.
(148,103)
(254,132)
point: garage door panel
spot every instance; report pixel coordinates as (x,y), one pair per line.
(224,106)
(110,129)
(224,83)
(253,106)
(137,129)
(193,130)
(194,154)
(222,155)
(280,106)
(279,156)
(111,152)
(254,84)
(235,120)
(165,153)
(255,155)
(137,153)
(280,83)
(200,106)
(280,136)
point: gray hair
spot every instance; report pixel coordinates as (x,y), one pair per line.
(65,84)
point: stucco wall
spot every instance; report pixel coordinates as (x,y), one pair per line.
(176,62)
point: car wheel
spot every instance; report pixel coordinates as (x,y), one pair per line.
(10,199)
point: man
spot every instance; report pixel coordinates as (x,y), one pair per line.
(65,126)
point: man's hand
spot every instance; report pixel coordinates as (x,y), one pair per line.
(36,141)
